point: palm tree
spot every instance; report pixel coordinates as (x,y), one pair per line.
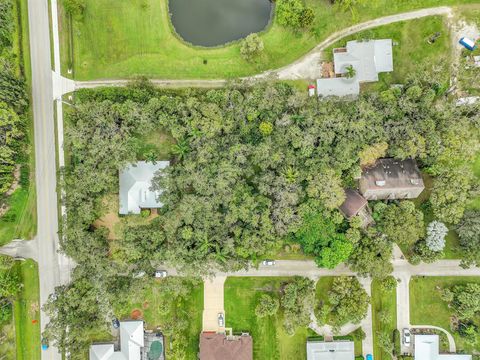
(181,148)
(351,72)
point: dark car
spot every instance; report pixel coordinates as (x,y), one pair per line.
(115,323)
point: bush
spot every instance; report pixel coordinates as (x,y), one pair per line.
(251,46)
(397,349)
(267,306)
(294,13)
(145,213)
(436,232)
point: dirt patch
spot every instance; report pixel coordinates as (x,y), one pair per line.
(136,314)
(110,219)
(145,305)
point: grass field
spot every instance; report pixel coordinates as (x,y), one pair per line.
(383,301)
(475,204)
(20,219)
(427,308)
(26,312)
(269,339)
(148,302)
(136,38)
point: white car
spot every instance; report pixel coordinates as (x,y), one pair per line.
(268,262)
(161,273)
(406,337)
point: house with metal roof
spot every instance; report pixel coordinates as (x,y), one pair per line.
(391,179)
(335,350)
(131,344)
(135,191)
(368,58)
(427,348)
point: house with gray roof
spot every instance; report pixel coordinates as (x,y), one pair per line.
(391,179)
(131,344)
(356,205)
(135,191)
(368,58)
(335,350)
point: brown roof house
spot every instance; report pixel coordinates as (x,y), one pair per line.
(391,179)
(356,205)
(218,346)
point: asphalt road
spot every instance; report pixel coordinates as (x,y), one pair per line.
(49,262)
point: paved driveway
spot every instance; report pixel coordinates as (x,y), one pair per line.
(213,303)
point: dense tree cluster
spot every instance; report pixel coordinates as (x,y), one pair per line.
(294,14)
(464,300)
(13,100)
(297,302)
(469,234)
(347,302)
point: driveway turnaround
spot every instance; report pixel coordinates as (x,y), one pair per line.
(213,303)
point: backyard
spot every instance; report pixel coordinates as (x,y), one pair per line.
(427,307)
(139,40)
(270,341)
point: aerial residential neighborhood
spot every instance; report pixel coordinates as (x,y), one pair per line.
(239,180)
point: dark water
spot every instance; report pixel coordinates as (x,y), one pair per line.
(216,22)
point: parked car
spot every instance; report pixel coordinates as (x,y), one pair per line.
(161,273)
(221,320)
(268,262)
(44,343)
(115,323)
(406,337)
(369,357)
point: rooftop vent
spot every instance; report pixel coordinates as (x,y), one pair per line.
(414,181)
(380,182)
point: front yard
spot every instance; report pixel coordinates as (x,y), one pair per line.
(269,338)
(384,304)
(427,307)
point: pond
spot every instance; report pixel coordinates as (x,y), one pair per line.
(216,22)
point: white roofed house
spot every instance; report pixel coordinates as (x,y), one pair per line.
(427,348)
(368,58)
(135,191)
(131,344)
(336,350)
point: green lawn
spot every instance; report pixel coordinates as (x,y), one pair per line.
(26,312)
(427,308)
(135,37)
(148,302)
(269,339)
(383,301)
(475,204)
(158,142)
(411,49)
(468,76)
(20,220)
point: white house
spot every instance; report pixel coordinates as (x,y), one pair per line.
(131,344)
(368,58)
(135,187)
(336,350)
(427,348)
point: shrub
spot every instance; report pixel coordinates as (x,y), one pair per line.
(436,232)
(267,306)
(251,46)
(397,349)
(145,213)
